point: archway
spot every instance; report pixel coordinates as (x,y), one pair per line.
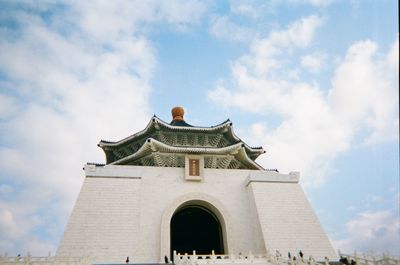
(194,227)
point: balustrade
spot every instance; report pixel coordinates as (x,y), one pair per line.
(48,260)
(363,259)
(224,259)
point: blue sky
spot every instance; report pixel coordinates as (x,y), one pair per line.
(315,82)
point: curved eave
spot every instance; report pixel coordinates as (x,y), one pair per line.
(252,151)
(152,145)
(155,121)
(248,160)
(148,127)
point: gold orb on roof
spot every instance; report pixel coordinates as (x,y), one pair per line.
(177,113)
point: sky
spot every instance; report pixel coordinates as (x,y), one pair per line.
(315,82)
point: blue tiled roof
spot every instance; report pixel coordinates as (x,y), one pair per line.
(180,123)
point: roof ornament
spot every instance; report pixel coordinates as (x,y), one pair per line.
(177,113)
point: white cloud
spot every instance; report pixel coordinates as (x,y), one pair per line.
(105,21)
(318,3)
(7,224)
(393,56)
(70,78)
(351,208)
(372,231)
(315,125)
(265,52)
(7,106)
(365,92)
(182,12)
(244,9)
(5,189)
(221,27)
(253,9)
(313,62)
(299,33)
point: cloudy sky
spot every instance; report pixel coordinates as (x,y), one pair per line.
(315,82)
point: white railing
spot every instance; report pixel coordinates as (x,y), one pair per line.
(277,259)
(49,260)
(225,259)
(363,259)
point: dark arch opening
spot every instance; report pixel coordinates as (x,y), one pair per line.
(196,228)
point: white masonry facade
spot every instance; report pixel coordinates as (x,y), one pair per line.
(167,187)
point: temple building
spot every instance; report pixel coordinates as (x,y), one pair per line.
(183,188)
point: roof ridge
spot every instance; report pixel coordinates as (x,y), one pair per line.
(156,120)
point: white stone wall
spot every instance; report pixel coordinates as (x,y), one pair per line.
(104,222)
(287,220)
(125,211)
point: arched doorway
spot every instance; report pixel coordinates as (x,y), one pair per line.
(194,227)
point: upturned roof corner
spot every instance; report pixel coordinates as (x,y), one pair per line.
(165,144)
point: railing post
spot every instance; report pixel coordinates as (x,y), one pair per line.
(312,260)
(250,256)
(277,255)
(27,259)
(357,259)
(326,261)
(194,257)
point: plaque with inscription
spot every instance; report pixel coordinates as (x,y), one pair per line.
(194,167)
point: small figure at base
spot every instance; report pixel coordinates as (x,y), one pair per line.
(127,260)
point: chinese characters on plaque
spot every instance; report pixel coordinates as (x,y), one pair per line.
(194,165)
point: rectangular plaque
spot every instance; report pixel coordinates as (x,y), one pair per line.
(194,167)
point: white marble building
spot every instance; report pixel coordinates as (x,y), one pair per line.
(180,187)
